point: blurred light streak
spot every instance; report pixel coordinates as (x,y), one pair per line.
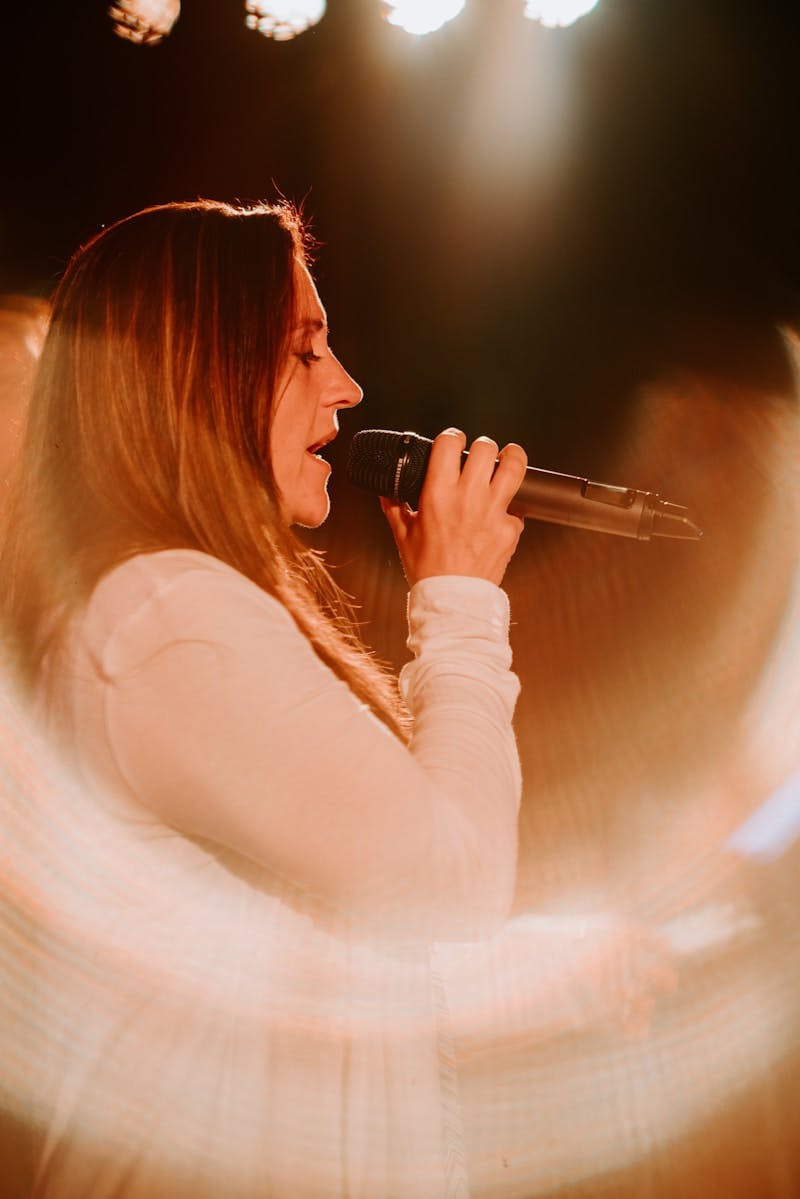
(169,1003)
(513,136)
(773,716)
(659,708)
(712,927)
(148,1003)
(558,1110)
(773,828)
(154,998)
(146,22)
(557,13)
(647,696)
(283,20)
(422,16)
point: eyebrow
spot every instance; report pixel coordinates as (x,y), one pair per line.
(310,323)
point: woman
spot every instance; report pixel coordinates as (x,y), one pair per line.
(232,739)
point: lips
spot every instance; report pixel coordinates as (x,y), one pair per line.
(319,445)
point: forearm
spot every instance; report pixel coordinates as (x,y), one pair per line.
(462,695)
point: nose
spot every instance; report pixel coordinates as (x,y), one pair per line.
(348,392)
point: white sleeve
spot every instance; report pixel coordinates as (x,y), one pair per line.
(223,721)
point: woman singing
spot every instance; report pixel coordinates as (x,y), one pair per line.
(256,817)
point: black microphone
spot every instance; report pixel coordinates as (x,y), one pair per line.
(393,465)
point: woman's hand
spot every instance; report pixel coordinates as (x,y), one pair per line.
(462,526)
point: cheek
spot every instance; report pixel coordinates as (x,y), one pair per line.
(276,449)
(292,417)
(284,437)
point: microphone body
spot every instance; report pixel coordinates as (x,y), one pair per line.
(394,464)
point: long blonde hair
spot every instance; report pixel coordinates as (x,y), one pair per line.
(149,429)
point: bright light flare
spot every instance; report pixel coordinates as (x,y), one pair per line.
(555,13)
(145,22)
(283,19)
(421,16)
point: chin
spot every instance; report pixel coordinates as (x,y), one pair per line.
(309,522)
(313,516)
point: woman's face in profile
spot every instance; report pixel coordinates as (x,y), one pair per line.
(313,386)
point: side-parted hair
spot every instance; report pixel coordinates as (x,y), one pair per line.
(149,429)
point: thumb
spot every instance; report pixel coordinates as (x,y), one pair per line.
(399,517)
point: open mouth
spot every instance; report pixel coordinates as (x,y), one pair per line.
(314,450)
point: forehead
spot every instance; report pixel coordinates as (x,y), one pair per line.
(309,305)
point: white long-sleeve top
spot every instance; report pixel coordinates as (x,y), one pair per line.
(194,698)
(218,1009)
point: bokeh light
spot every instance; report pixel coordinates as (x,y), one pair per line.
(146,22)
(283,19)
(555,13)
(422,16)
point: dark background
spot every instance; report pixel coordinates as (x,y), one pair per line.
(518,224)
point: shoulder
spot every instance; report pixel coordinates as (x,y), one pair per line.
(153,600)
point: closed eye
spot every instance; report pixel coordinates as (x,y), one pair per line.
(308,357)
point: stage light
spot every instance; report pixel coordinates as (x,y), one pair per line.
(144,21)
(557,12)
(283,19)
(421,16)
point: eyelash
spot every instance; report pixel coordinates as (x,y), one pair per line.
(308,357)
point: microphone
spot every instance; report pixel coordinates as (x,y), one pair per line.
(393,465)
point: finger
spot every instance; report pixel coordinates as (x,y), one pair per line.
(444,464)
(516,526)
(511,466)
(398,516)
(481,461)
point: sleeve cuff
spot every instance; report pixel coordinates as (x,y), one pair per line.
(459,603)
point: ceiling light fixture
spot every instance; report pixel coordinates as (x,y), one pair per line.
(283,20)
(421,16)
(145,22)
(555,13)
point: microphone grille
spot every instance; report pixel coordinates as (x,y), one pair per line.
(389,463)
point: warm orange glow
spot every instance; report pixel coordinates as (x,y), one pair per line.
(659,714)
